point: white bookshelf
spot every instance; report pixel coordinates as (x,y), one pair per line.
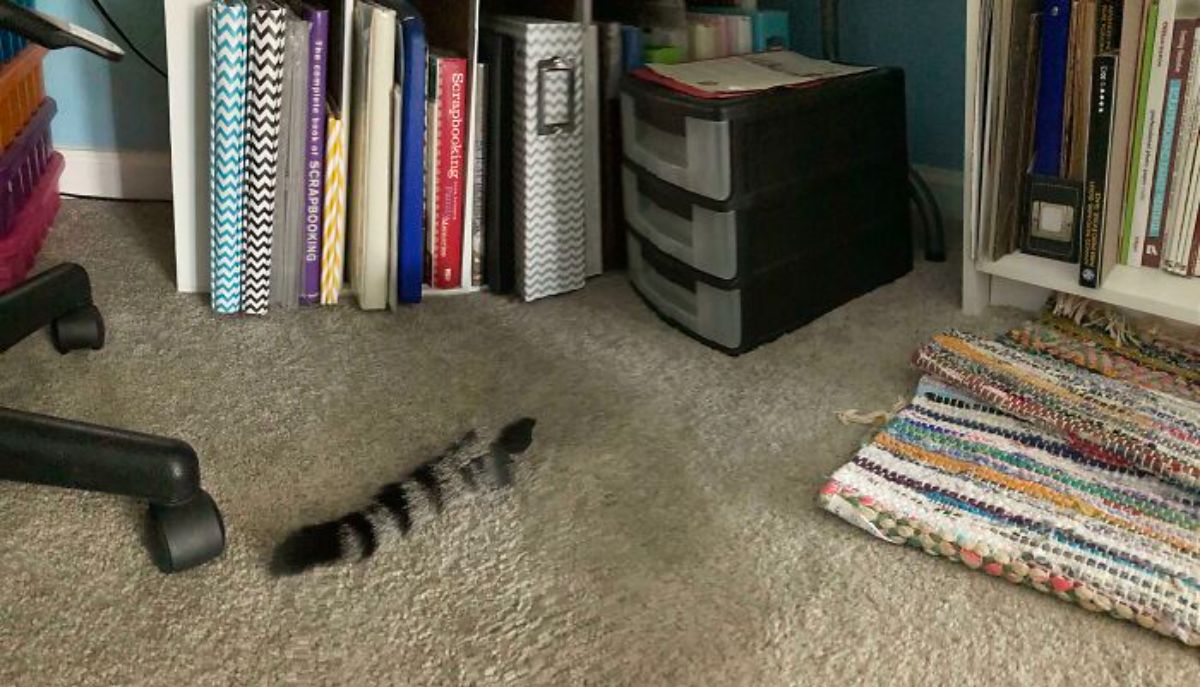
(186,27)
(1025,280)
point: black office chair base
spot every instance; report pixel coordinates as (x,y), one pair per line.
(78,330)
(186,535)
(186,527)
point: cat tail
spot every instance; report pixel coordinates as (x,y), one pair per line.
(464,461)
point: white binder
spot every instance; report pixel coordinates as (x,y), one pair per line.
(371,154)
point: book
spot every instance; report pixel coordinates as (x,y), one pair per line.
(264,81)
(333,215)
(371,219)
(228,26)
(1095,197)
(1048,131)
(612,212)
(396,161)
(287,249)
(592,164)
(1079,98)
(1152,130)
(1178,227)
(411,66)
(449,75)
(499,243)
(1127,39)
(432,126)
(479,211)
(1013,145)
(1179,230)
(318,67)
(1183,37)
(1145,119)
(338,113)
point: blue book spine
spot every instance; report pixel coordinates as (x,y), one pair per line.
(1048,129)
(411,244)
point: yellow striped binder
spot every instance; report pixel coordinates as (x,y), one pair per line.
(334,232)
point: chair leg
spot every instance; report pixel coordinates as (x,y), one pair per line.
(60,297)
(38,449)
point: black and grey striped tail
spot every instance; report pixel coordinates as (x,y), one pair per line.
(471,462)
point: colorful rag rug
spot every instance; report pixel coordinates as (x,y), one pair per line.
(1013,461)
(1155,364)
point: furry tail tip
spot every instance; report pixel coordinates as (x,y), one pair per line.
(306,548)
(517,436)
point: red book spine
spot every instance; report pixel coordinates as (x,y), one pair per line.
(451,171)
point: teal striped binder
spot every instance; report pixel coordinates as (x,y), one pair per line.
(227,64)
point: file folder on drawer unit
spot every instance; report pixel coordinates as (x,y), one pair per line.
(547,175)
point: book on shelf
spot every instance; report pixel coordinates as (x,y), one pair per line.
(338,114)
(371,219)
(1182,41)
(1148,118)
(1095,187)
(376,167)
(1103,170)
(409,253)
(479,209)
(314,171)
(449,90)
(287,250)
(264,81)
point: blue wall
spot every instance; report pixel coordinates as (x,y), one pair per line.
(927,39)
(104,105)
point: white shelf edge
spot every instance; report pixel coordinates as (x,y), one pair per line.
(1147,290)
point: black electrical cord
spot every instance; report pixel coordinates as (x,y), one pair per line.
(115,27)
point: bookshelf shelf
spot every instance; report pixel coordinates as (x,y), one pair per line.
(1025,280)
(1146,290)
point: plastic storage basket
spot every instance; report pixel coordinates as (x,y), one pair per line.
(21,91)
(29,174)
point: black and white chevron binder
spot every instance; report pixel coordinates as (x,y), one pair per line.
(548,188)
(264,104)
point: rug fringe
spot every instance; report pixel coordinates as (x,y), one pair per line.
(854,416)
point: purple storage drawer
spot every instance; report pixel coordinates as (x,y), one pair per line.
(22,164)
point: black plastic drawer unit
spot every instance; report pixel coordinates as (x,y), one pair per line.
(750,217)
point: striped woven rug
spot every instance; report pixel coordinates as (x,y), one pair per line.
(1078,480)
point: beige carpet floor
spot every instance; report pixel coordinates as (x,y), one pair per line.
(663,530)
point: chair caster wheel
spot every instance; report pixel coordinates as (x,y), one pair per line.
(79,329)
(186,535)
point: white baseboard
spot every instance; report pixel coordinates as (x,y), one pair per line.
(127,175)
(947,187)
